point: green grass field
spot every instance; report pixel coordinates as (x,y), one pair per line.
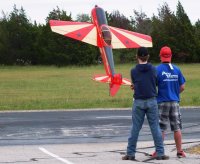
(40,87)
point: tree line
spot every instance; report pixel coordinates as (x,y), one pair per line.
(25,43)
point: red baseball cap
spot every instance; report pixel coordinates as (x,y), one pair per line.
(165,54)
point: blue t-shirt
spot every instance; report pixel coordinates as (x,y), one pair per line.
(169,79)
(143,77)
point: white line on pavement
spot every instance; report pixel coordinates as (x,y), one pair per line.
(113,117)
(55,156)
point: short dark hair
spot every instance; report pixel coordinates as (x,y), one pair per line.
(143,58)
(142,51)
(143,54)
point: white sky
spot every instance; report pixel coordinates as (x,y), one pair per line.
(39,9)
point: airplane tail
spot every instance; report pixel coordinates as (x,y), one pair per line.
(114,82)
(114,88)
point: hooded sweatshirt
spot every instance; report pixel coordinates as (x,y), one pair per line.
(143,77)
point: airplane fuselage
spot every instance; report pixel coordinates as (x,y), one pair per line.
(104,39)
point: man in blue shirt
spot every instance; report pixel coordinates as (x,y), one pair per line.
(144,84)
(171,83)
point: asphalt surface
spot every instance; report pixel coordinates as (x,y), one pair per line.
(85,136)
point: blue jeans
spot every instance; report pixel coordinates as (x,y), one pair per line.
(139,109)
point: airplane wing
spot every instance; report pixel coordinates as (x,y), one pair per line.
(127,39)
(107,79)
(82,31)
(86,32)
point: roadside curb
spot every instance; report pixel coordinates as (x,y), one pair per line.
(88,109)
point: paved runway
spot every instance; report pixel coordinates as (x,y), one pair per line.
(90,136)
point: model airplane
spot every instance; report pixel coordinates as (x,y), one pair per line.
(105,37)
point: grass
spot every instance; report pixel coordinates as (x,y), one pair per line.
(190,97)
(48,87)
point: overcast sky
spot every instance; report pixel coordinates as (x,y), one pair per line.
(39,9)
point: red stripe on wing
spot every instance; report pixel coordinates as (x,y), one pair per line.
(126,81)
(143,36)
(102,78)
(128,43)
(81,33)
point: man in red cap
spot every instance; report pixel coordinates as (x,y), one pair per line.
(171,83)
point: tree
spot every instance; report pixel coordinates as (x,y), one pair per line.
(22,42)
(163,30)
(175,31)
(186,47)
(141,22)
(197,29)
(4,43)
(51,46)
(117,19)
(83,18)
(17,36)
(58,14)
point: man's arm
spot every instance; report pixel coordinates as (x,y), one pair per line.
(182,88)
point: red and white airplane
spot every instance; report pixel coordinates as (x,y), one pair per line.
(106,38)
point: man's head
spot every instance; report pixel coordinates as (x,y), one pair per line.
(165,54)
(143,54)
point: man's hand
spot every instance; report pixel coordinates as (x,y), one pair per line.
(132,87)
